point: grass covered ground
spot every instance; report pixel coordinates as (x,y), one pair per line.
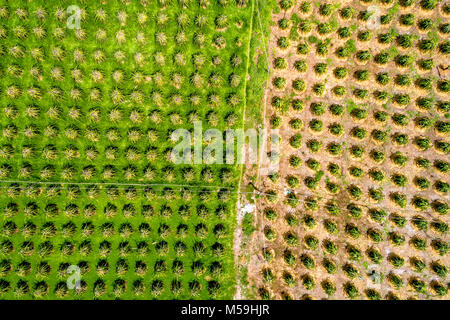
(86,119)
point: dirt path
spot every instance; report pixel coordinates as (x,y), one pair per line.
(239,215)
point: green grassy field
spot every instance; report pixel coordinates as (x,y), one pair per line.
(85,170)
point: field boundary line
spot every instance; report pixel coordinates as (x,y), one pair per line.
(114,184)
